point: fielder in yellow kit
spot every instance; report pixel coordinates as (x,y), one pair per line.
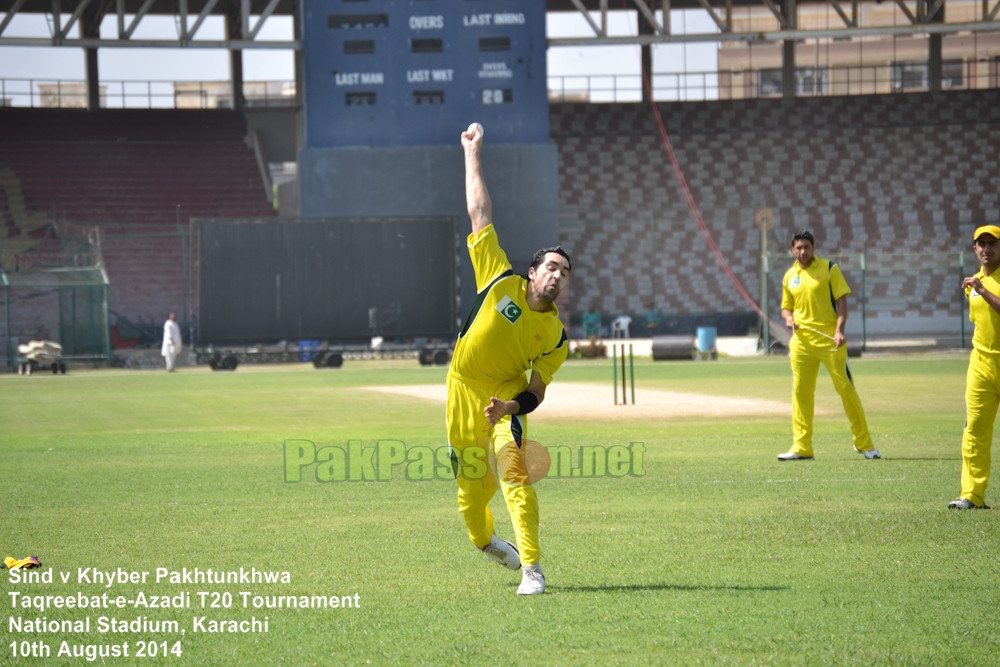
(982,381)
(814,306)
(514,327)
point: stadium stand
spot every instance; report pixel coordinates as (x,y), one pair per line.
(139,177)
(895,181)
(903,179)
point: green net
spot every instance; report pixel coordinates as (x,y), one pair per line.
(56,291)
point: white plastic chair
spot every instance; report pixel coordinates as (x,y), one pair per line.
(619,327)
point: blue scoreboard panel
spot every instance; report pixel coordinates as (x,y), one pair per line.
(417,72)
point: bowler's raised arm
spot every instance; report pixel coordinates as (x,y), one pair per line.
(477,197)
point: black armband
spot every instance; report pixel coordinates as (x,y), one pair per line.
(527,400)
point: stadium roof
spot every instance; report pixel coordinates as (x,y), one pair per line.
(76,22)
(286,7)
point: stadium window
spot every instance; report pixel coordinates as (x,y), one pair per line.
(427,45)
(497,96)
(494,43)
(909,76)
(769,83)
(359,99)
(355,47)
(808,81)
(952,74)
(428,97)
(811,81)
(349,21)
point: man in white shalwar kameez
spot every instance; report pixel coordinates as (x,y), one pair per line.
(172,342)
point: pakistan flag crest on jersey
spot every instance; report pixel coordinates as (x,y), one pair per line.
(510,310)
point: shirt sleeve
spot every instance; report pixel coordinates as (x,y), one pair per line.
(787,302)
(547,364)
(488,258)
(838,285)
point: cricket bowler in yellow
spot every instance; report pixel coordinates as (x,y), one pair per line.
(814,306)
(514,327)
(982,381)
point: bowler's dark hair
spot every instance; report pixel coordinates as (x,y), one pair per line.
(803,235)
(539,257)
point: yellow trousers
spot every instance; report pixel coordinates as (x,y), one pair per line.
(982,398)
(474,445)
(807,350)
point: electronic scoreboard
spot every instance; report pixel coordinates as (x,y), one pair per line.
(387,73)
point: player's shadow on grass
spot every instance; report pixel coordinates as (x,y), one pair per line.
(925,458)
(613,588)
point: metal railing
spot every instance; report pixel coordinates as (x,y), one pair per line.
(890,78)
(62,93)
(755,84)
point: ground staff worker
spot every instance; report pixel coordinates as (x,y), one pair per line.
(814,306)
(172,342)
(982,381)
(514,327)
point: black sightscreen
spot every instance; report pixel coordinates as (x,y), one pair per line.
(331,279)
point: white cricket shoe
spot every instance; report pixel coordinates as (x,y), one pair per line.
(966,504)
(503,552)
(532,580)
(793,456)
(869,453)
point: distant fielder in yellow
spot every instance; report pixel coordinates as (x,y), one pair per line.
(514,327)
(982,381)
(814,306)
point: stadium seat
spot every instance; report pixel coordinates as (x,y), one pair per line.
(620,327)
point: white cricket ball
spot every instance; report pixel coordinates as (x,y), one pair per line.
(472,129)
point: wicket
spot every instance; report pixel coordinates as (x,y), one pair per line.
(614,373)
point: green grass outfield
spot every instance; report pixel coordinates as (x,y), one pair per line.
(710,552)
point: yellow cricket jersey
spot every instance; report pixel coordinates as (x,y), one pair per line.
(503,338)
(987,320)
(812,293)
